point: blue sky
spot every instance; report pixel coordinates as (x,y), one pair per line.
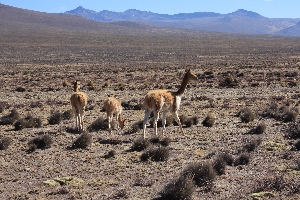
(267,8)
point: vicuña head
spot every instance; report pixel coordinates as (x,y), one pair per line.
(113,106)
(157,101)
(78,102)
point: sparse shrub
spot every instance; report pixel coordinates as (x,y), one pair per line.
(203,174)
(282,113)
(10,118)
(182,119)
(179,189)
(121,194)
(28,122)
(165,141)
(251,145)
(289,115)
(140,144)
(272,182)
(40,142)
(297,164)
(20,89)
(219,164)
(189,122)
(228,158)
(209,120)
(83,141)
(228,81)
(270,111)
(246,115)
(67,115)
(242,159)
(296,145)
(156,154)
(169,122)
(55,118)
(155,140)
(4,143)
(293,131)
(135,127)
(72,130)
(259,129)
(110,154)
(99,124)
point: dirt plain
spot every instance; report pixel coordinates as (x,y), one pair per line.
(127,65)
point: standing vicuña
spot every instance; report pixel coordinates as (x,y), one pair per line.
(157,101)
(78,102)
(113,106)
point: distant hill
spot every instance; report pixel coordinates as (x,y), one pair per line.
(291,31)
(240,21)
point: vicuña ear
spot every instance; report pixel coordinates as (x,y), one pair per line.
(187,70)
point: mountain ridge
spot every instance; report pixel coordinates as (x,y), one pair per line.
(240,21)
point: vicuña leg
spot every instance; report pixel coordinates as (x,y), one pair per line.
(81,120)
(175,115)
(163,119)
(146,117)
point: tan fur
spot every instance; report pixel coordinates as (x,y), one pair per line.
(157,101)
(113,106)
(78,103)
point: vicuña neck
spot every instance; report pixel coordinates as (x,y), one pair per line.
(183,85)
(75,88)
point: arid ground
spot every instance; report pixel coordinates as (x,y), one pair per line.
(234,72)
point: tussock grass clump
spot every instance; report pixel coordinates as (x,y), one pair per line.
(154,140)
(41,142)
(3,105)
(110,154)
(133,104)
(296,145)
(182,119)
(203,174)
(28,122)
(135,127)
(219,165)
(259,129)
(228,81)
(140,144)
(121,194)
(246,115)
(278,183)
(169,122)
(293,131)
(270,111)
(162,141)
(251,145)
(179,189)
(165,141)
(227,157)
(282,113)
(55,118)
(99,124)
(10,118)
(209,120)
(20,89)
(220,161)
(68,114)
(155,154)
(4,143)
(189,122)
(297,164)
(83,141)
(242,159)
